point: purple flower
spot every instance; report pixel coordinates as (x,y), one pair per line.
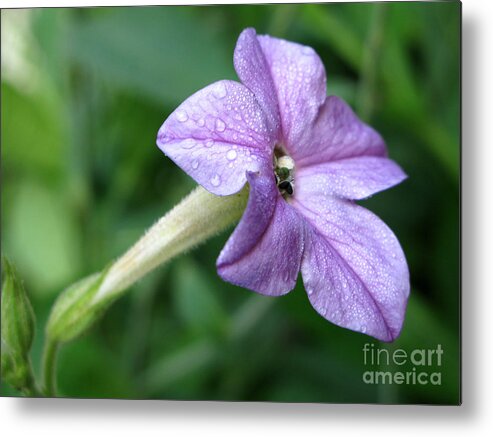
(307,158)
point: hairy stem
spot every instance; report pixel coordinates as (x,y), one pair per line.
(196,218)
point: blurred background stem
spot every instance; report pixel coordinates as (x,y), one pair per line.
(371,55)
(282,19)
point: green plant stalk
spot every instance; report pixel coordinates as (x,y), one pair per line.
(196,218)
(49,367)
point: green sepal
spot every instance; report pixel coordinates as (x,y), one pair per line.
(75,310)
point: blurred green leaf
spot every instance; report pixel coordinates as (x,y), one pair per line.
(180,364)
(196,302)
(32,136)
(88,369)
(42,237)
(165,53)
(328,25)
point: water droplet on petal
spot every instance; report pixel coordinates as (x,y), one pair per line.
(201,122)
(220,90)
(181,115)
(231,155)
(307,50)
(209,143)
(188,144)
(220,126)
(195,164)
(216,180)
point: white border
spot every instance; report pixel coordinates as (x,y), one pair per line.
(130,418)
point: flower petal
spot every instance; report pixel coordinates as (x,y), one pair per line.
(253,71)
(216,135)
(264,252)
(353,178)
(353,267)
(300,82)
(337,134)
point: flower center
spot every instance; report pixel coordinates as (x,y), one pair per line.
(284,171)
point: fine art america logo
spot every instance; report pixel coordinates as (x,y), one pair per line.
(417,366)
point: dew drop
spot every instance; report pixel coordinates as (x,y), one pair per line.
(220,91)
(220,126)
(209,143)
(307,50)
(201,122)
(188,144)
(181,115)
(231,155)
(216,180)
(195,164)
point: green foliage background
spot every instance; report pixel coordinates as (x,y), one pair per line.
(84,92)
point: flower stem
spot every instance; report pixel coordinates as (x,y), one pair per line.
(196,218)
(49,367)
(30,388)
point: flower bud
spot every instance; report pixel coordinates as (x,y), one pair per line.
(17,330)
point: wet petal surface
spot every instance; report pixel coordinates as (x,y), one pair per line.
(216,135)
(353,178)
(254,72)
(337,134)
(353,267)
(299,79)
(264,252)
